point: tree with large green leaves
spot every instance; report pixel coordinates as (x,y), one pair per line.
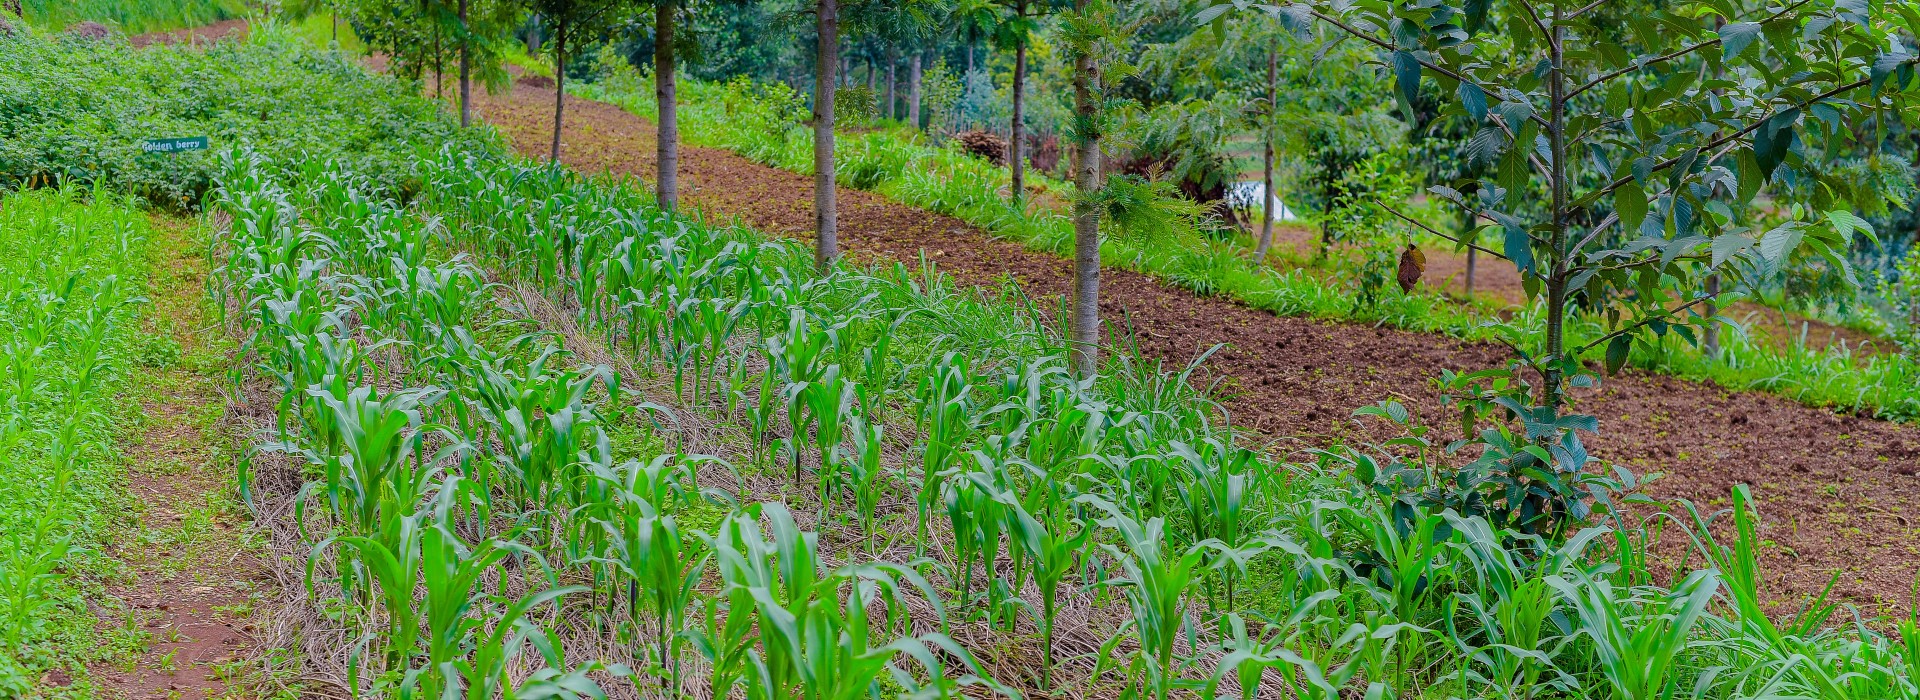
(1629,144)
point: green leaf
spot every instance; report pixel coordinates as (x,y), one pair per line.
(1617,351)
(1729,245)
(1846,224)
(1518,248)
(1406,72)
(1631,203)
(1780,241)
(1474,100)
(1736,37)
(1884,65)
(1772,140)
(1476,11)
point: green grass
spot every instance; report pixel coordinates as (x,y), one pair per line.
(760,122)
(70,283)
(132,17)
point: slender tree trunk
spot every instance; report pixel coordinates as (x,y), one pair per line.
(1471,254)
(1017,146)
(893,81)
(334,26)
(969,54)
(1556,273)
(873,73)
(559,85)
(826,234)
(1266,161)
(439,78)
(667,145)
(1086,218)
(913,89)
(466,69)
(1712,307)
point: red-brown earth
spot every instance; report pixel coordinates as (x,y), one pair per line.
(1837,493)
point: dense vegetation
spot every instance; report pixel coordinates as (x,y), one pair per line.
(131,17)
(71,279)
(523,433)
(78,111)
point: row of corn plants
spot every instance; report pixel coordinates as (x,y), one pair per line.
(924,496)
(765,122)
(70,285)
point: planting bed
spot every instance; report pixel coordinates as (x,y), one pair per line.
(1834,489)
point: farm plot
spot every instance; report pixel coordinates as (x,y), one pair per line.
(468,481)
(1833,501)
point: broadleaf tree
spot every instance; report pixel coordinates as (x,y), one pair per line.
(1629,146)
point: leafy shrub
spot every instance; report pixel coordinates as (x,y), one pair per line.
(132,17)
(78,112)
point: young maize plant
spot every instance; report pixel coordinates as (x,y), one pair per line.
(1127,497)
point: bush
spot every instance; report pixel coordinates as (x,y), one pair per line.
(74,111)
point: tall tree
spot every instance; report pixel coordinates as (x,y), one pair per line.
(826,242)
(466,67)
(573,21)
(1645,130)
(1082,37)
(1266,158)
(665,89)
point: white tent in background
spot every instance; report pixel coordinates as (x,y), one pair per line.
(1245,196)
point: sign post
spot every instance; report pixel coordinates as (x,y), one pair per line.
(175,145)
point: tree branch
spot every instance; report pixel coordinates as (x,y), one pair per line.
(1716,143)
(1430,229)
(1644,322)
(1429,65)
(1672,54)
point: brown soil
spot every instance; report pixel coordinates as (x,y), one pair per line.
(194,582)
(1838,493)
(230,29)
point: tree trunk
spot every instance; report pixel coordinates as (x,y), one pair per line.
(1267,208)
(873,73)
(559,85)
(466,69)
(333,25)
(893,80)
(667,145)
(1471,254)
(1712,336)
(826,234)
(1017,145)
(1086,218)
(439,79)
(913,90)
(1556,281)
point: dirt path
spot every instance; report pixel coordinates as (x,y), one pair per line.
(1838,493)
(195,581)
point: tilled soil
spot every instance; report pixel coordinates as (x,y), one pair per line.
(1838,493)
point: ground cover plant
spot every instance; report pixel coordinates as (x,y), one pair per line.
(440,445)
(78,111)
(763,122)
(130,17)
(71,275)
